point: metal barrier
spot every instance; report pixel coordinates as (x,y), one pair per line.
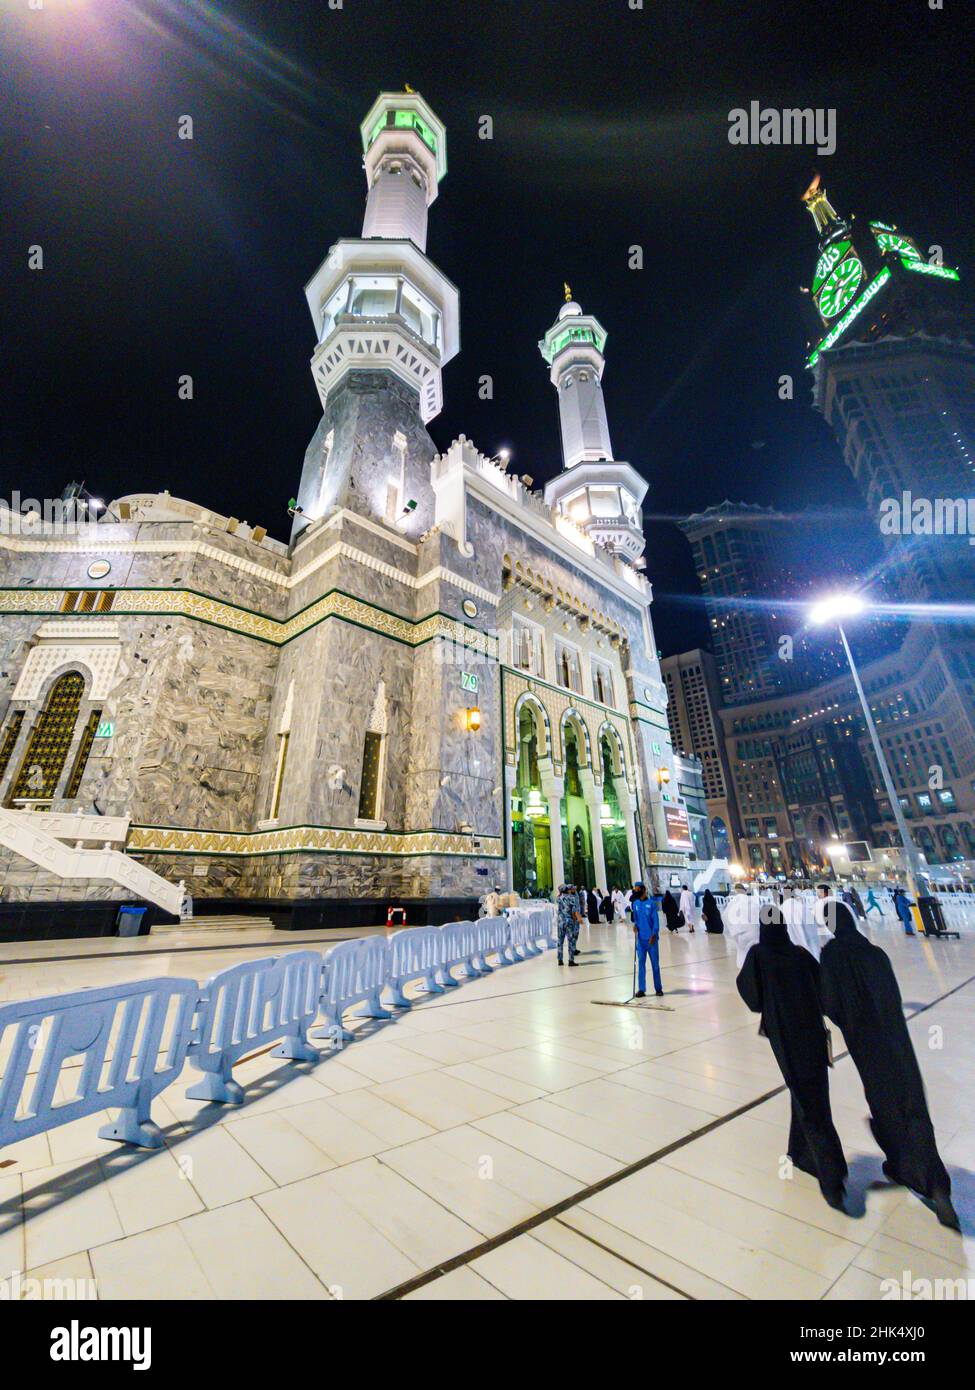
(244,1007)
(354,973)
(415,955)
(149,1026)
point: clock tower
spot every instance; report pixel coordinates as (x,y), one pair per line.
(868,287)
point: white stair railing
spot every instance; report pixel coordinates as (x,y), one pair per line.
(21,833)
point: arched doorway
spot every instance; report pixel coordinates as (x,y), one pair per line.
(531,844)
(50,741)
(612,822)
(576,829)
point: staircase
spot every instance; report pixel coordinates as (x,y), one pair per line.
(227,922)
(23,833)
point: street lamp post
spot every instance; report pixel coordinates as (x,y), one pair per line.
(834,609)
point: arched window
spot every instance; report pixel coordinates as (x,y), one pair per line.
(50,741)
(373,759)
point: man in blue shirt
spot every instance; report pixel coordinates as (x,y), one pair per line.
(646,931)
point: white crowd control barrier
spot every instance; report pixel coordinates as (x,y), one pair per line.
(148,1028)
(134,1039)
(458,946)
(492,938)
(415,956)
(354,973)
(527,924)
(248,1005)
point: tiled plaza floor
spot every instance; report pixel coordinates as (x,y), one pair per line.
(486,1131)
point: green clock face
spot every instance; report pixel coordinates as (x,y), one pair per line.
(890,241)
(840,288)
(828,260)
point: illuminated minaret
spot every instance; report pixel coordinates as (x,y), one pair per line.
(386,321)
(601,495)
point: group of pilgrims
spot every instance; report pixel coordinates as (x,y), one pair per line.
(794,985)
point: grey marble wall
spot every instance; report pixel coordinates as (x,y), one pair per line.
(363,413)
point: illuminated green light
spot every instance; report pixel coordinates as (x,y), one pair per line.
(405,120)
(409,120)
(854,312)
(889,241)
(573,335)
(841,287)
(827,260)
(941,272)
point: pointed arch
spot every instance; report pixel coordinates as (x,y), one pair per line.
(583,742)
(543,727)
(615,741)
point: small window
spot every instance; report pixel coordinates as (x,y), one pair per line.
(87,602)
(602,683)
(69,601)
(526,648)
(567,668)
(105,601)
(369,785)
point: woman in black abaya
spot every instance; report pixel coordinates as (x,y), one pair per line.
(780,981)
(671,911)
(861,996)
(711,913)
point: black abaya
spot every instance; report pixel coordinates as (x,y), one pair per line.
(861,996)
(711,913)
(780,981)
(671,911)
(592,907)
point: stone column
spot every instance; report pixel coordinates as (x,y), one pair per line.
(593,794)
(627,800)
(553,789)
(510,775)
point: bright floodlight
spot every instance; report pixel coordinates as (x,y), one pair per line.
(834,608)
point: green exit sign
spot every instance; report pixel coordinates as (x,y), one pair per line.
(468,680)
(105,729)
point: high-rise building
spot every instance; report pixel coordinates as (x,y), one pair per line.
(893,365)
(693,713)
(740,573)
(805,776)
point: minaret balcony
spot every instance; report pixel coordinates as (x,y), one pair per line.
(603,499)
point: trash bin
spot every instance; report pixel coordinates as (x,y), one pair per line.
(129,921)
(932,918)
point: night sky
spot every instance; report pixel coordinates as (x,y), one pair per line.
(164,257)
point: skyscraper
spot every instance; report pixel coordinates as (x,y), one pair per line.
(693,713)
(740,577)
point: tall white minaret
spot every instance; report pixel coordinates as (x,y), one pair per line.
(573,348)
(386,318)
(405,159)
(599,494)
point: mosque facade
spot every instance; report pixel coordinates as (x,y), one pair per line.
(447,681)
